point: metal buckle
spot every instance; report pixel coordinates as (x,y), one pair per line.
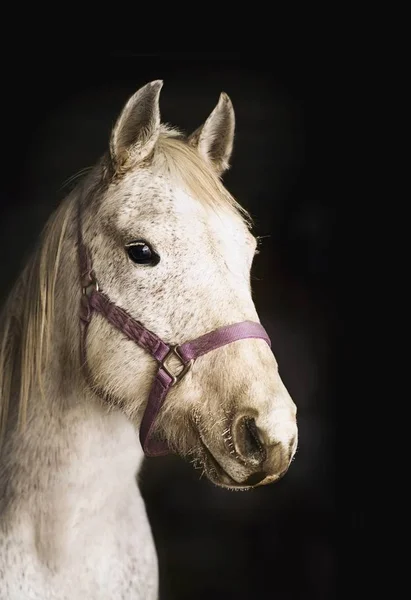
(91,287)
(184,370)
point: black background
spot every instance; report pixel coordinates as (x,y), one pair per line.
(274,542)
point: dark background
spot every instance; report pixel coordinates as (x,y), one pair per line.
(274,542)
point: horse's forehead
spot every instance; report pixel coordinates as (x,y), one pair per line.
(144,195)
(157,199)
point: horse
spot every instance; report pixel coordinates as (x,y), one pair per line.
(131,332)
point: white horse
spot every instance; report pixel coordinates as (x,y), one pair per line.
(148,251)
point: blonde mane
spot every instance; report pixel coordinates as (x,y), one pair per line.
(26,317)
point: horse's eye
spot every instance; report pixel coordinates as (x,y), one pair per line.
(141,253)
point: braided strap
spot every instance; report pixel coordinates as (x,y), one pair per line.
(132,329)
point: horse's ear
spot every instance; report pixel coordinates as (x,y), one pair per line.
(137,128)
(214,139)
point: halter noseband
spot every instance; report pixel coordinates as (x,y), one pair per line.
(93,299)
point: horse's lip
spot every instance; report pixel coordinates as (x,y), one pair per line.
(223,479)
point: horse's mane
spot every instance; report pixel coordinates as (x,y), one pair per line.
(24,320)
(26,317)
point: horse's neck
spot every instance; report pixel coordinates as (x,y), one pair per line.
(83,446)
(68,468)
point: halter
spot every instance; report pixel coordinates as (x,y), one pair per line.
(93,299)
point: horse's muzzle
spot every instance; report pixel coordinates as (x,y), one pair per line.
(266,459)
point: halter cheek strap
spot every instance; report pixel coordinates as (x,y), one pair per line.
(94,300)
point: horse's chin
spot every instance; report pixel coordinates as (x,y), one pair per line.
(202,457)
(216,474)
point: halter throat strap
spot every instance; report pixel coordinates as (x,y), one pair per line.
(93,299)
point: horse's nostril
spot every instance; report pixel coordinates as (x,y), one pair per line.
(251,440)
(247,441)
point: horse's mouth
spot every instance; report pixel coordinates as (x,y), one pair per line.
(216,473)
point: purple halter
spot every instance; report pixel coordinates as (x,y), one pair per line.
(93,299)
